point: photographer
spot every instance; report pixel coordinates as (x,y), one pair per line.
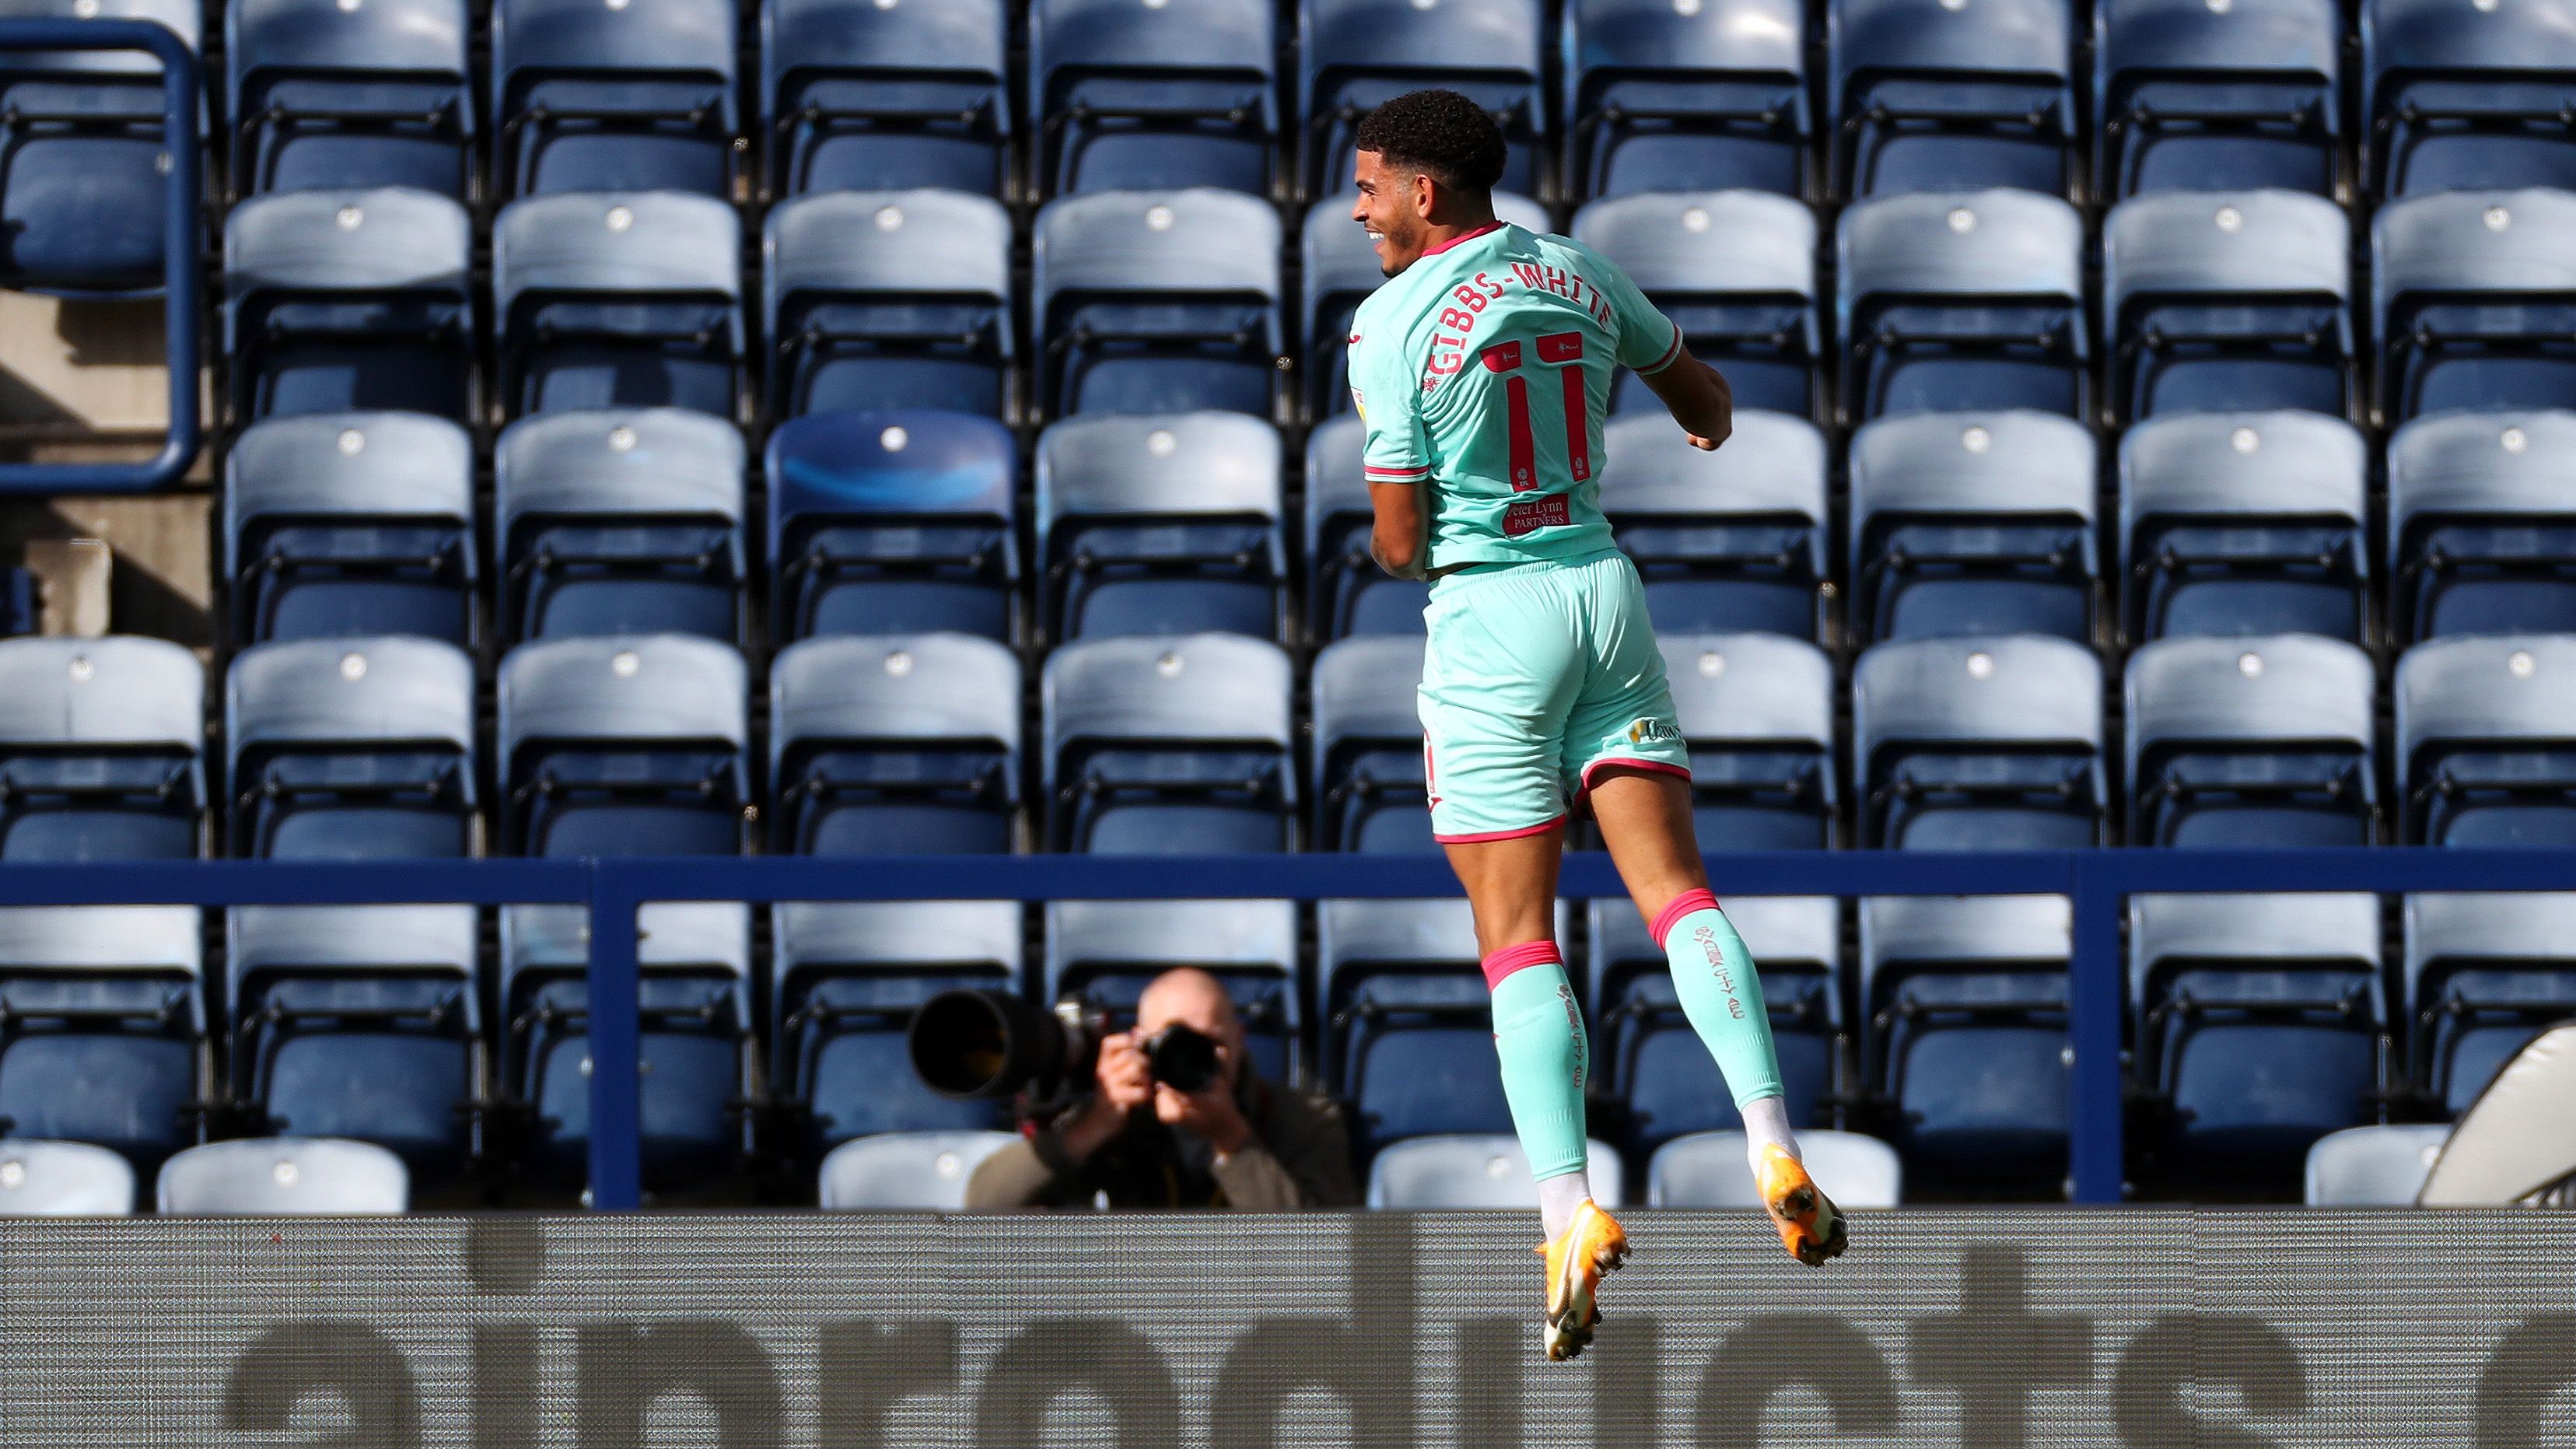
(1238,1143)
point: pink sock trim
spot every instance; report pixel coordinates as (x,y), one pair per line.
(1681,905)
(1513,958)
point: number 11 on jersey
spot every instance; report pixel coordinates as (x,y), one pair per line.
(1562,351)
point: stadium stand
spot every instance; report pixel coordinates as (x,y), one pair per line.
(2484,744)
(1957,301)
(1972,524)
(1160,525)
(1370,794)
(351,523)
(2244,523)
(2455,104)
(2372,1166)
(906,1171)
(1357,53)
(619,523)
(1157,302)
(1979,744)
(1346,592)
(1706,1170)
(346,749)
(894,522)
(336,301)
(2484,974)
(892,744)
(100,750)
(107,1041)
(1736,271)
(888,299)
(283,1176)
(1471,1170)
(1745,553)
(63,1179)
(1145,97)
(1105,953)
(1758,713)
(632,745)
(2228,301)
(1665,97)
(2470,296)
(1170,746)
(635,97)
(82,193)
(1931,95)
(618,300)
(856,96)
(323,96)
(2190,96)
(2482,525)
(2251,742)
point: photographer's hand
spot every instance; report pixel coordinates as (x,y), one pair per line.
(1211,1115)
(1125,1082)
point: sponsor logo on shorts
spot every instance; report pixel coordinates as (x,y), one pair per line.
(1536,514)
(1649,730)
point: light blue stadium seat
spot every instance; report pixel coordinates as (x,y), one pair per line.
(340,301)
(1666,97)
(1961,300)
(2485,973)
(889,299)
(283,1177)
(2462,102)
(63,1180)
(1466,1171)
(1736,271)
(82,197)
(1926,95)
(639,97)
(2190,96)
(1356,54)
(2252,742)
(99,750)
(1758,713)
(2486,740)
(1339,269)
(2244,523)
(351,523)
(623,745)
(895,744)
(351,749)
(1990,744)
(1135,97)
(2482,525)
(1347,594)
(1708,1170)
(1105,953)
(1157,302)
(2372,1166)
(856,94)
(1171,746)
(618,300)
(894,523)
(324,94)
(107,1027)
(2473,300)
(906,1171)
(1160,524)
(2230,300)
(1737,544)
(1369,791)
(620,522)
(1972,524)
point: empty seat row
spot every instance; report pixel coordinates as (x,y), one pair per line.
(267,1177)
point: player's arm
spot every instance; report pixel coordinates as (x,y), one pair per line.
(1697,396)
(1396,458)
(1396,537)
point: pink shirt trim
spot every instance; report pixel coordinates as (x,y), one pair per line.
(1485,835)
(1468,236)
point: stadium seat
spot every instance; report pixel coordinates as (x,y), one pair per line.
(99,750)
(2229,300)
(893,523)
(1157,302)
(1933,95)
(1160,525)
(1339,269)
(2191,96)
(1737,544)
(618,300)
(845,979)
(360,1022)
(1171,746)
(1708,1170)
(351,523)
(1369,790)
(1130,97)
(2484,974)
(336,301)
(2260,1029)
(325,94)
(1667,97)
(1965,1000)
(2467,102)
(856,94)
(351,749)
(1992,744)
(1736,271)
(82,194)
(619,522)
(906,1171)
(2473,301)
(1105,953)
(894,744)
(1972,524)
(632,97)
(63,1180)
(2372,1166)
(107,1030)
(283,1177)
(1758,713)
(2482,525)
(2486,740)
(1654,1065)
(888,299)
(1347,594)
(623,746)
(695,995)
(2252,742)
(1959,301)
(2244,523)
(1355,54)
(1468,1171)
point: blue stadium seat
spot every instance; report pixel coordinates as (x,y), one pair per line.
(845,979)
(1965,1003)
(1174,746)
(1972,524)
(2482,525)
(856,94)
(894,523)
(1707,1170)
(351,749)
(283,1177)
(1369,792)
(326,94)
(343,300)
(107,1028)
(1105,953)
(2234,300)
(2486,740)
(1724,541)
(1340,268)
(618,300)
(63,1180)
(2373,1166)
(2464,102)
(2260,1029)
(351,523)
(1356,54)
(2252,742)
(888,299)
(906,1171)
(1736,271)
(1135,97)
(695,995)
(1157,302)
(1991,744)
(2484,974)
(897,744)
(1758,713)
(81,187)
(1934,95)
(631,97)
(99,746)
(631,745)
(1347,594)
(1160,525)
(1668,97)
(1654,1065)
(2190,96)
(1470,1171)
(1962,300)
(619,522)
(2473,302)
(2244,523)
(360,1022)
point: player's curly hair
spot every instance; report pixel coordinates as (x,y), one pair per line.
(1441,134)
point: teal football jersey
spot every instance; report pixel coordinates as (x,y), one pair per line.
(1483,371)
